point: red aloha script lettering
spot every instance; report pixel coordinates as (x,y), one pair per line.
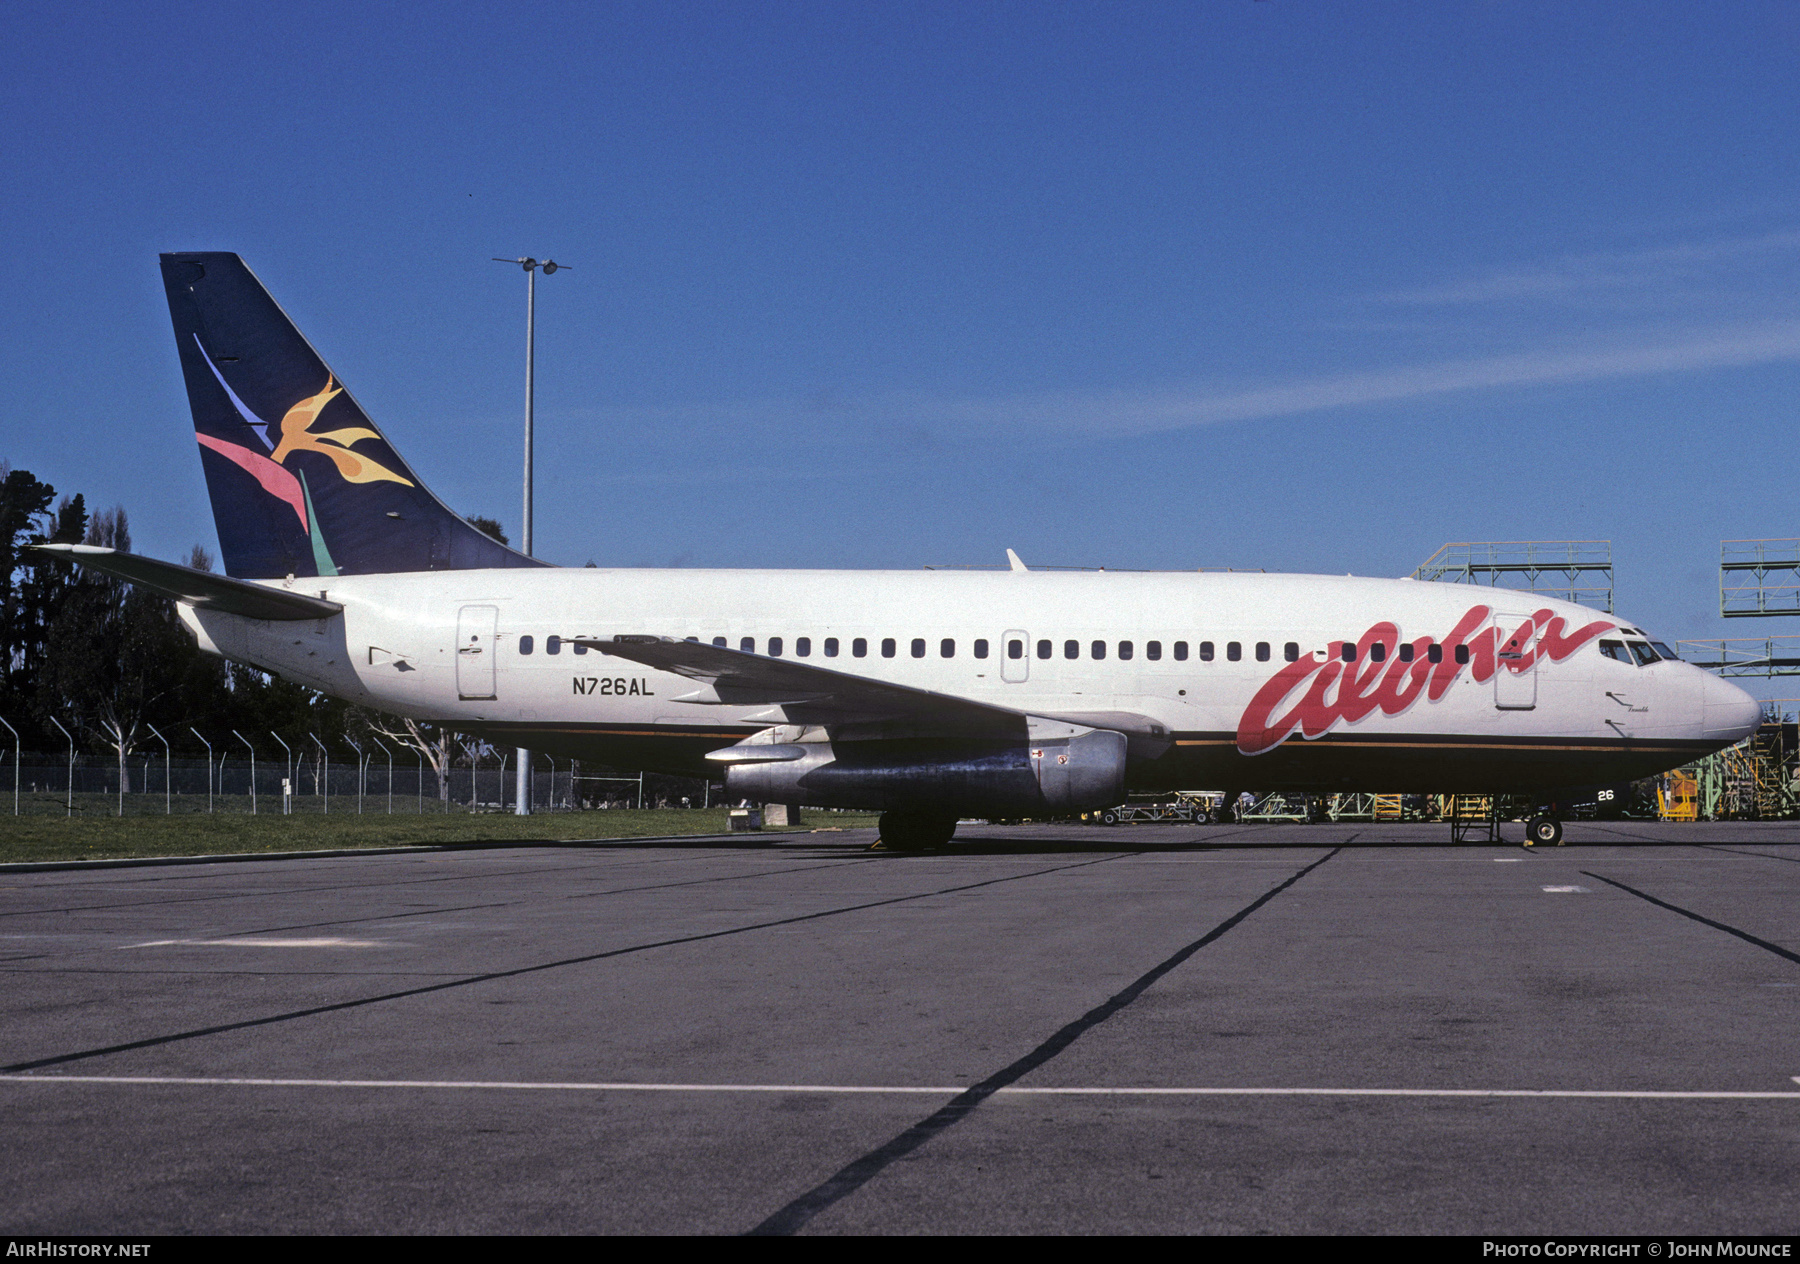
(1332,691)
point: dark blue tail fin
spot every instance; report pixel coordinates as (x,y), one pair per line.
(302,482)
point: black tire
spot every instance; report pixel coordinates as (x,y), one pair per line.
(1543,831)
(1109,817)
(912,831)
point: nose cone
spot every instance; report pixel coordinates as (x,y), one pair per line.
(1730,714)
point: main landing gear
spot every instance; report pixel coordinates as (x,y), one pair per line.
(1543,831)
(1227,811)
(913,831)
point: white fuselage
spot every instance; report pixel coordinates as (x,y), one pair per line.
(1195,653)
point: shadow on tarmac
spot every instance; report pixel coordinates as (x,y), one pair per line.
(1054,840)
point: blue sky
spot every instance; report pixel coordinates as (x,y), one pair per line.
(1306,286)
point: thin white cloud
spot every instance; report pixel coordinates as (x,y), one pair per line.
(1776,342)
(1660,267)
(917,420)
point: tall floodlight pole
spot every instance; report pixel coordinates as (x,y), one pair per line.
(523,789)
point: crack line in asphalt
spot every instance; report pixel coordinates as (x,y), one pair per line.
(153,1041)
(415,880)
(154,971)
(463,908)
(1619,831)
(1738,851)
(793,1217)
(459,908)
(1744,935)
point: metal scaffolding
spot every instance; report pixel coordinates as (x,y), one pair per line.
(1572,570)
(1759,577)
(1756,780)
(1744,655)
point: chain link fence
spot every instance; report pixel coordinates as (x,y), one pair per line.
(151,785)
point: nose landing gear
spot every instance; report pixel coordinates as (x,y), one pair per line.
(1543,831)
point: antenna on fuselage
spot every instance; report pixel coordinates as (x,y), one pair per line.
(1013,559)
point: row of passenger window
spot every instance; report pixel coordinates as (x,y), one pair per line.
(776,647)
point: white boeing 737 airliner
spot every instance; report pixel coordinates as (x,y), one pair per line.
(925,695)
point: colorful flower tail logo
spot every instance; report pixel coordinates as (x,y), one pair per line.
(295,431)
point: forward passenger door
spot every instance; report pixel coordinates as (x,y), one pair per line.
(1513,635)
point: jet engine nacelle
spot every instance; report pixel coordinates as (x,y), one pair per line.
(1038,776)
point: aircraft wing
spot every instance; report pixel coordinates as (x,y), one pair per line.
(818,695)
(806,694)
(196,587)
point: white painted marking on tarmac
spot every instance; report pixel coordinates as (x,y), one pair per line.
(1568,890)
(932,1090)
(1509,860)
(251,942)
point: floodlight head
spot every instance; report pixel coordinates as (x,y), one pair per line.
(550,265)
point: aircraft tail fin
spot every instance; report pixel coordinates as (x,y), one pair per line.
(301,481)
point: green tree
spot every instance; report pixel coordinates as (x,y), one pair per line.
(37,585)
(109,652)
(24,520)
(490,527)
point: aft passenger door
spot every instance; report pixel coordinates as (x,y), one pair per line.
(475,628)
(1515,686)
(1015,657)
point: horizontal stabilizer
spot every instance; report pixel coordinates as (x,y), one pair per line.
(196,587)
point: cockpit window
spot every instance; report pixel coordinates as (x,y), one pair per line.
(1663,650)
(1645,655)
(1615,650)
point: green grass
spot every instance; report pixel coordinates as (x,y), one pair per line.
(91,834)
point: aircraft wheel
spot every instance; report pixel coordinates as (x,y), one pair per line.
(1543,831)
(911,831)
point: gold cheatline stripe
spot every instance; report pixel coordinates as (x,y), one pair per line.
(1621,745)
